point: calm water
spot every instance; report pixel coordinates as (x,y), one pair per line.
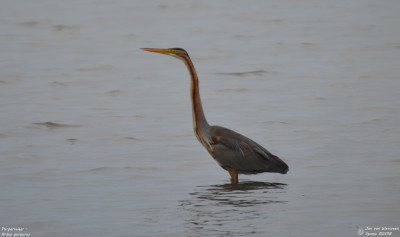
(96,136)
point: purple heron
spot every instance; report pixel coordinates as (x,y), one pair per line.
(234,152)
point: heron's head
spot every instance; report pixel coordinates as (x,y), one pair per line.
(176,52)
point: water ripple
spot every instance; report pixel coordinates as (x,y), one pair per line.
(231,210)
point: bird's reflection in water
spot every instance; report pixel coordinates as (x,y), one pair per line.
(233,209)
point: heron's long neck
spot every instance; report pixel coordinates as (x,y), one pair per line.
(200,125)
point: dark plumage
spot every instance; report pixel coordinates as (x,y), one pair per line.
(234,152)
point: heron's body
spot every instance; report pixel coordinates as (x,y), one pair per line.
(234,152)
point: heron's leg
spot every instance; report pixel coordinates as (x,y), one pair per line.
(234,176)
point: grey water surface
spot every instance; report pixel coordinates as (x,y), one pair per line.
(96,135)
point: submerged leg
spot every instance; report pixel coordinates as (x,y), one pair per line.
(234,176)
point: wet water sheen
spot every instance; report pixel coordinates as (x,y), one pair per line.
(96,135)
(242,208)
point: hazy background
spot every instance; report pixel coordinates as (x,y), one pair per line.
(96,135)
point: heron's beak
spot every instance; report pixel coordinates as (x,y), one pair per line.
(163,51)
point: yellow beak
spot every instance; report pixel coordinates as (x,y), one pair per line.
(163,51)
